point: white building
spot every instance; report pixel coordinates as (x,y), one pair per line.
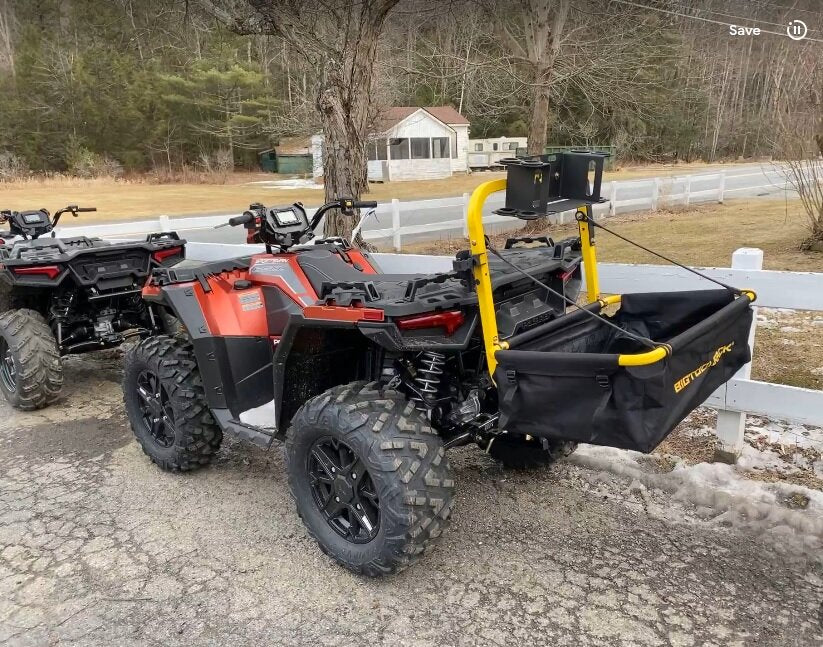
(413,143)
(486,153)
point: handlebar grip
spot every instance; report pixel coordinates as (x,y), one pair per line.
(243,219)
(86,209)
(366,204)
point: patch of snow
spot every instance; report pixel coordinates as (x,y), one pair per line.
(699,432)
(716,492)
(292,183)
(752,458)
(263,416)
(783,433)
(790,329)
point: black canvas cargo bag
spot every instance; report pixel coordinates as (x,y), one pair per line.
(568,383)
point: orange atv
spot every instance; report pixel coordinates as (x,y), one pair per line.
(370,377)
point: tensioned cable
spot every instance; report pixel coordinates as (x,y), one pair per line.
(643,340)
(592,222)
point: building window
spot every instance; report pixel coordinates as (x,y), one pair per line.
(478,148)
(494,146)
(440,147)
(420,148)
(512,146)
(377,150)
(399,149)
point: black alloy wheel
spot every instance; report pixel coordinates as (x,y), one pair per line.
(8,368)
(343,490)
(156,409)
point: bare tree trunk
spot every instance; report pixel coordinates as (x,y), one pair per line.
(345,166)
(539,121)
(340,41)
(6,43)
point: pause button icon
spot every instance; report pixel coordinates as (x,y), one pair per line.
(797,30)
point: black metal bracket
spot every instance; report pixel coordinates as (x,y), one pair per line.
(344,293)
(334,240)
(511,242)
(162,235)
(170,276)
(463,265)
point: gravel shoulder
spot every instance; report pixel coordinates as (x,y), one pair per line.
(97,547)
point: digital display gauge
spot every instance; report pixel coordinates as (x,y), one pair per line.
(32,218)
(286,218)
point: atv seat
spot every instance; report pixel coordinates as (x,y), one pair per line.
(324,266)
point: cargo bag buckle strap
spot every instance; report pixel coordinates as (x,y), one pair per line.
(511,379)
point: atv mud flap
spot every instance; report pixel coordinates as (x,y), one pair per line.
(573,381)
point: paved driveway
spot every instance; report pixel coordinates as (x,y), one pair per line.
(97,547)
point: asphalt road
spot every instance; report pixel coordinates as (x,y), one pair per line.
(741,181)
(98,547)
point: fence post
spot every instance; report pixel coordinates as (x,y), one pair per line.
(721,191)
(612,198)
(687,190)
(165,223)
(655,193)
(732,424)
(395,223)
(465,215)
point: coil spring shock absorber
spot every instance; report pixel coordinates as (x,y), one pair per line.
(428,376)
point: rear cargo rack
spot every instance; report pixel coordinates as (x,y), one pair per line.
(544,178)
(633,373)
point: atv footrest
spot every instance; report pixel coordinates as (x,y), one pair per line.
(256,435)
(577,378)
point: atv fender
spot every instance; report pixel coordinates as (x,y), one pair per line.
(236,370)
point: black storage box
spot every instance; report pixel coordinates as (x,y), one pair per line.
(567,384)
(547,184)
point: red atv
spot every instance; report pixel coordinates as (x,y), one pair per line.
(369,377)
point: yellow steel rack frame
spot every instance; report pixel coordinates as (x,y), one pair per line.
(483,284)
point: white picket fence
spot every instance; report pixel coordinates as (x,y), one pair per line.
(741,395)
(659,192)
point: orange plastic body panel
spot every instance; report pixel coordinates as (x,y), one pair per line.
(357,257)
(151,291)
(293,283)
(232,313)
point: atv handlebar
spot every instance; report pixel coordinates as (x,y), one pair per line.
(257,210)
(73,209)
(346,206)
(245,218)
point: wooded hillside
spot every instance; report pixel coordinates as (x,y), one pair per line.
(87,85)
